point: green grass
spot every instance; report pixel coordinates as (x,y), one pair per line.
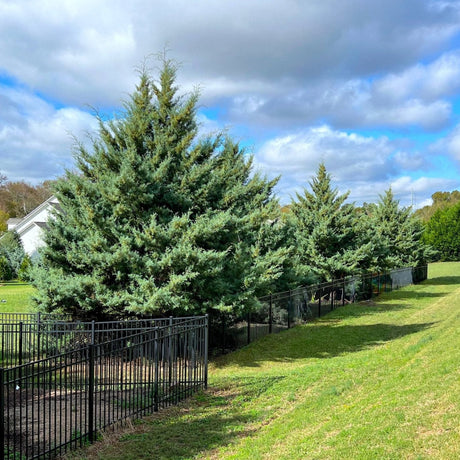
(17,297)
(369,381)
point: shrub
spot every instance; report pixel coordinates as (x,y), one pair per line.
(6,273)
(24,269)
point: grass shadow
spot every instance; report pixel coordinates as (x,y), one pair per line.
(406,294)
(207,421)
(442,281)
(327,338)
(378,305)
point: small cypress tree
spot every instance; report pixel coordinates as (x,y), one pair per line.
(6,273)
(400,232)
(11,248)
(157,221)
(327,239)
(25,268)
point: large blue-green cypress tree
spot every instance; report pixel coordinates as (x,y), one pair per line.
(156,220)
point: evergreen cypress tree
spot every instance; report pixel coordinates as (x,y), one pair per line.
(157,221)
(11,248)
(5,269)
(329,244)
(400,232)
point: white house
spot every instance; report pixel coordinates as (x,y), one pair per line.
(30,227)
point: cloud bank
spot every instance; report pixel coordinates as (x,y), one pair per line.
(370,87)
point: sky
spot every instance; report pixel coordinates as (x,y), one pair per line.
(369,87)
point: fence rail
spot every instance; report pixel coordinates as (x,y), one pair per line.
(63,401)
(284,310)
(37,336)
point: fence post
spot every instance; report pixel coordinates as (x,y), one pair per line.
(155,385)
(249,328)
(224,331)
(289,310)
(38,334)
(206,331)
(170,339)
(21,346)
(332,295)
(270,315)
(91,395)
(2,413)
(21,325)
(319,302)
(93,323)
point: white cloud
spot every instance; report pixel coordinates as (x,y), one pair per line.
(406,184)
(447,146)
(35,138)
(407,99)
(345,155)
(85,51)
(271,68)
(207,126)
(364,165)
(452,143)
(422,204)
(439,78)
(414,191)
(411,161)
(78,52)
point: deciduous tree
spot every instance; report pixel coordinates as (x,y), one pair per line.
(443,233)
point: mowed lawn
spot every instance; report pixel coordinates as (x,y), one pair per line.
(369,381)
(15,297)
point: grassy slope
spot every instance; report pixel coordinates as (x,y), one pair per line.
(17,296)
(366,382)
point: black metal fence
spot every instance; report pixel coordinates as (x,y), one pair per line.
(64,382)
(284,310)
(32,336)
(62,401)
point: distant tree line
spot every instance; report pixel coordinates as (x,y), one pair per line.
(156,221)
(18,198)
(440,202)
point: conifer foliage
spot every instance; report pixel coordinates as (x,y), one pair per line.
(156,220)
(400,233)
(12,254)
(328,241)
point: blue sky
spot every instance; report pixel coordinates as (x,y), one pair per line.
(370,87)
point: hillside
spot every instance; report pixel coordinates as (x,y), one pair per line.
(369,381)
